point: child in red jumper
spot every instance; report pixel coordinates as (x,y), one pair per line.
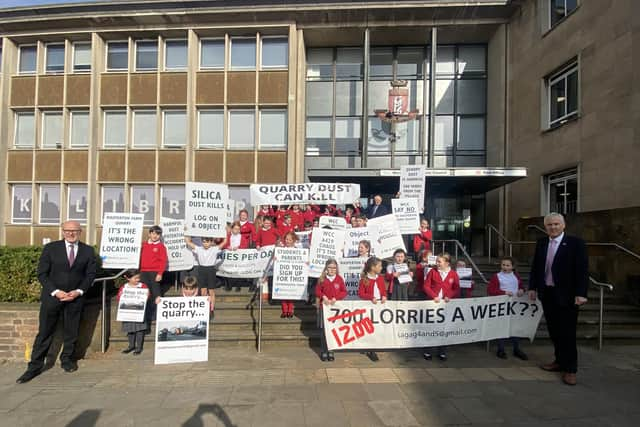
(507,282)
(153,262)
(422,240)
(286,225)
(267,235)
(329,289)
(247,230)
(441,284)
(372,288)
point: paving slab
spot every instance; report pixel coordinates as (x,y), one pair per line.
(341,392)
(437,412)
(393,413)
(443,375)
(359,414)
(379,375)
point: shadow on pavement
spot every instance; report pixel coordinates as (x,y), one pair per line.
(87,418)
(215,409)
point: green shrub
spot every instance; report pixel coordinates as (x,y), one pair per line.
(18,278)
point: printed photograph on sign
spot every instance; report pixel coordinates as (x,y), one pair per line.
(183,331)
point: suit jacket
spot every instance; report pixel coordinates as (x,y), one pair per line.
(381,211)
(570,269)
(54,271)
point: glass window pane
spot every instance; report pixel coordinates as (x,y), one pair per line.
(175,129)
(319,98)
(378,162)
(241,129)
(143,202)
(52,130)
(211,129)
(408,136)
(557,100)
(348,98)
(115,128)
(319,63)
(212,54)
(416,92)
(243,54)
(446,60)
(381,62)
(275,52)
(27,59)
(378,95)
(112,198)
(172,201)
(348,135)
(442,161)
(444,96)
(410,61)
(378,139)
(471,59)
(471,133)
(55,58)
(318,136)
(81,57)
(79,129)
(50,204)
(349,63)
(77,203)
(558,11)
(572,92)
(25,130)
(146,55)
(176,54)
(273,129)
(117,56)
(469,161)
(317,162)
(144,129)
(443,133)
(21,205)
(471,97)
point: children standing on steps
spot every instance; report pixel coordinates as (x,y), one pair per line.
(372,288)
(153,261)
(441,284)
(330,288)
(135,330)
(399,276)
(207,256)
(507,282)
(267,235)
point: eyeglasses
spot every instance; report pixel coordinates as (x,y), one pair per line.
(71,231)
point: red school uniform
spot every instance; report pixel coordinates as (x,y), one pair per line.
(450,286)
(332,288)
(422,241)
(153,257)
(284,228)
(311,213)
(247,230)
(493,288)
(365,287)
(267,237)
(297,220)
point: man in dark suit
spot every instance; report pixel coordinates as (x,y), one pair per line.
(66,271)
(377,208)
(560,277)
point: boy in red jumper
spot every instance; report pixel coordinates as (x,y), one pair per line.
(286,225)
(247,230)
(267,235)
(153,262)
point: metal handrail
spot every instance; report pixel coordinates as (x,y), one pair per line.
(492,229)
(103,326)
(466,254)
(601,287)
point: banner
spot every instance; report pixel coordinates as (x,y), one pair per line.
(412,183)
(132,304)
(353,236)
(350,270)
(407,324)
(121,240)
(206,209)
(310,192)
(180,257)
(290,272)
(325,244)
(182,330)
(244,263)
(386,237)
(332,222)
(406,213)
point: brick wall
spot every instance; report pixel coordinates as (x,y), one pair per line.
(18,328)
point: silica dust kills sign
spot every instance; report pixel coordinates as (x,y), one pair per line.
(121,240)
(206,209)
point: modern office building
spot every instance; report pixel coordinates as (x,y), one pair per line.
(517,108)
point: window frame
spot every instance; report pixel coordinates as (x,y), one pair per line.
(12,218)
(255,59)
(549,16)
(148,111)
(228,133)
(224,54)
(43,133)
(286,129)
(163,188)
(563,73)
(135,56)
(73,57)
(106,59)
(47,46)
(555,177)
(175,69)
(139,186)
(40,200)
(72,112)
(68,187)
(105,112)
(273,67)
(224,123)
(19,61)
(186,128)
(16,115)
(124,198)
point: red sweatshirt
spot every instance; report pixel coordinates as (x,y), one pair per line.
(493,288)
(450,285)
(153,257)
(331,289)
(365,288)
(267,237)
(422,241)
(297,220)
(247,230)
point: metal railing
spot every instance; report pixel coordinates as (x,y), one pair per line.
(459,247)
(491,229)
(601,287)
(103,325)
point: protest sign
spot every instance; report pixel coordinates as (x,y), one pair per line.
(182,330)
(325,244)
(332,222)
(352,237)
(403,273)
(121,240)
(407,324)
(180,257)
(350,270)
(290,272)
(412,183)
(406,213)
(206,209)
(244,263)
(465,277)
(304,239)
(310,192)
(132,304)
(432,259)
(385,235)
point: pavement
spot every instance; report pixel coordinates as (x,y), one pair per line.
(290,386)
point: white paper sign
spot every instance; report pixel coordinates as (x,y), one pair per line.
(407,324)
(310,192)
(304,239)
(332,222)
(464,272)
(325,244)
(465,284)
(412,183)
(406,213)
(182,330)
(206,209)
(290,272)
(180,257)
(386,237)
(352,237)
(404,276)
(244,263)
(121,240)
(350,270)
(132,304)
(432,259)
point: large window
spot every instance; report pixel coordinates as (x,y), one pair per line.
(559,9)
(25,131)
(112,199)
(115,128)
(172,201)
(210,129)
(81,57)
(143,202)
(243,53)
(562,192)
(79,129)
(52,129)
(273,129)
(54,58)
(27,59)
(212,54)
(117,56)
(563,95)
(144,129)
(21,203)
(275,52)
(49,204)
(147,55)
(174,129)
(241,130)
(175,55)
(77,203)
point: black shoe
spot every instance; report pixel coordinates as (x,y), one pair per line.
(137,352)
(324,356)
(427,356)
(69,366)
(330,357)
(128,350)
(283,315)
(501,354)
(520,354)
(373,356)
(28,376)
(442,357)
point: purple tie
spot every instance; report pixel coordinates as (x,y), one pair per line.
(548,274)
(72,255)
